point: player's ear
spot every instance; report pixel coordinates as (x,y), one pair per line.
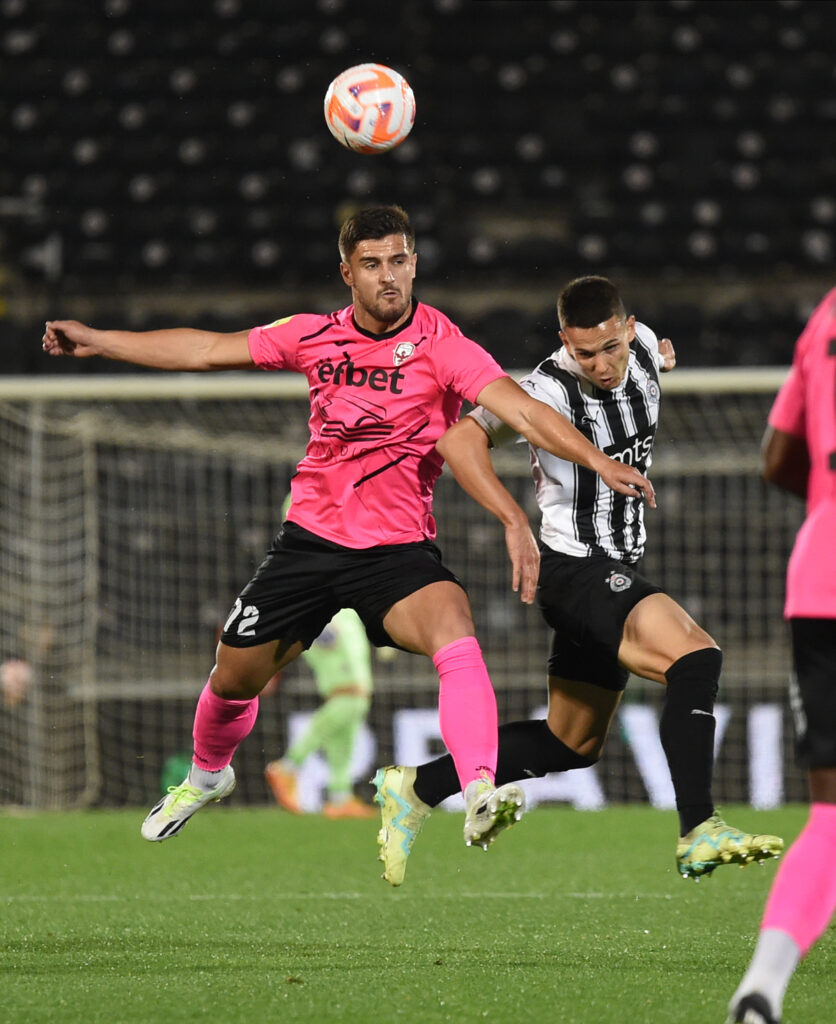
(631,327)
(345,270)
(565,341)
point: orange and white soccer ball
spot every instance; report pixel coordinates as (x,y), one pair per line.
(369,108)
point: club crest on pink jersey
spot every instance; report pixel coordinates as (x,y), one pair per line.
(403,350)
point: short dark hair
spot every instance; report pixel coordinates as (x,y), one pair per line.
(588,301)
(374,222)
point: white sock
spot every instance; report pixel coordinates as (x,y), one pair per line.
(202,779)
(773,963)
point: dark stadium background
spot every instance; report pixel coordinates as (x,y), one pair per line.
(168,162)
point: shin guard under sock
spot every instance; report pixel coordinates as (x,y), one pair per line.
(686,729)
(799,908)
(467,709)
(219,726)
(803,896)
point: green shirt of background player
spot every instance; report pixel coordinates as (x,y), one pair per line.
(341,661)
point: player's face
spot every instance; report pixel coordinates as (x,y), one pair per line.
(602,351)
(380,273)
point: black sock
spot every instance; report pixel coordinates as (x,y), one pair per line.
(687,732)
(526,750)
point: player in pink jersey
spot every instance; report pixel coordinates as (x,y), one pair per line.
(800,457)
(387,376)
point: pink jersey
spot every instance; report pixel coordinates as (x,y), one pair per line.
(379,402)
(806,407)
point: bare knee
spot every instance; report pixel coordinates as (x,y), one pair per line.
(591,748)
(657,633)
(580,735)
(702,641)
(241,673)
(231,686)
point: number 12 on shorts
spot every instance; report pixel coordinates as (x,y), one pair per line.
(248,619)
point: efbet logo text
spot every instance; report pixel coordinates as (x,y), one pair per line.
(349,375)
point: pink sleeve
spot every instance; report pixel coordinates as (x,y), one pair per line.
(465,366)
(274,346)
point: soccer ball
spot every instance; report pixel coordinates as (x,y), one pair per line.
(369,108)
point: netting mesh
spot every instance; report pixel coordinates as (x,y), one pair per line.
(48,555)
(129,524)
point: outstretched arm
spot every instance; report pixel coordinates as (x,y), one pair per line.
(180,348)
(546,428)
(786,461)
(466,449)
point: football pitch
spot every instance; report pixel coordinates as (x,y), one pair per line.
(254,915)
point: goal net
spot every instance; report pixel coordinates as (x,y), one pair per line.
(134,508)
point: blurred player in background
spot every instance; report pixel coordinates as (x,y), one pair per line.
(387,376)
(608,620)
(341,661)
(800,457)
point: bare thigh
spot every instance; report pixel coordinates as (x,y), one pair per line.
(580,714)
(241,673)
(430,618)
(657,633)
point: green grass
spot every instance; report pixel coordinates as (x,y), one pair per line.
(254,915)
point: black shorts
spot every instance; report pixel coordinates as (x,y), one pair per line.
(813,691)
(305,580)
(586,601)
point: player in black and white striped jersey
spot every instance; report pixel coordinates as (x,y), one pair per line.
(607,619)
(579,517)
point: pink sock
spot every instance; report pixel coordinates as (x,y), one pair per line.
(803,895)
(219,726)
(467,709)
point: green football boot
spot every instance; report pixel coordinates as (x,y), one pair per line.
(713,843)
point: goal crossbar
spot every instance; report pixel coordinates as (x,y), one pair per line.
(256,384)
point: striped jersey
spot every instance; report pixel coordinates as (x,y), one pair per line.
(580,515)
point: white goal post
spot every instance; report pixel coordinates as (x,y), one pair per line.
(134,507)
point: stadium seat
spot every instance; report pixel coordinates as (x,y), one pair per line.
(157,138)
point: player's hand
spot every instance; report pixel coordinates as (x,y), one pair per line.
(525,560)
(68,338)
(667,356)
(627,480)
